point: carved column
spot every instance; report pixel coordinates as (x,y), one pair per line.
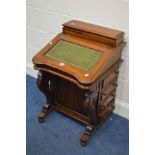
(90,106)
(45,84)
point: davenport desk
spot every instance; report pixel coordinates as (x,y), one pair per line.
(78,73)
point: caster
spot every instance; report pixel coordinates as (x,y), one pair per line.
(41,120)
(83,143)
(41,117)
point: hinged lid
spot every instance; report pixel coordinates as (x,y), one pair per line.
(103,34)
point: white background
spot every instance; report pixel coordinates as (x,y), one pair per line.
(13,86)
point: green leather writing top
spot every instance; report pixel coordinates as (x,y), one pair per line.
(73,54)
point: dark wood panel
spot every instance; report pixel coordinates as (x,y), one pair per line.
(69,95)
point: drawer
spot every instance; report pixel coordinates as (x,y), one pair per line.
(108,102)
(113,76)
(105,102)
(108,90)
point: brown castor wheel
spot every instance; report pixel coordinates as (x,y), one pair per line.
(83,143)
(41,120)
(41,117)
(84,139)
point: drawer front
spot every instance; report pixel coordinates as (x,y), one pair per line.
(107,91)
(113,76)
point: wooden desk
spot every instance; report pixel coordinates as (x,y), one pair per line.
(78,73)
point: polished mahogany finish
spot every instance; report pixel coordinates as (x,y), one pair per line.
(85,95)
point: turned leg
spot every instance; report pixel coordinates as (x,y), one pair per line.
(90,109)
(44,83)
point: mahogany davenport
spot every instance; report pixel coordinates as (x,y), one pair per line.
(78,73)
